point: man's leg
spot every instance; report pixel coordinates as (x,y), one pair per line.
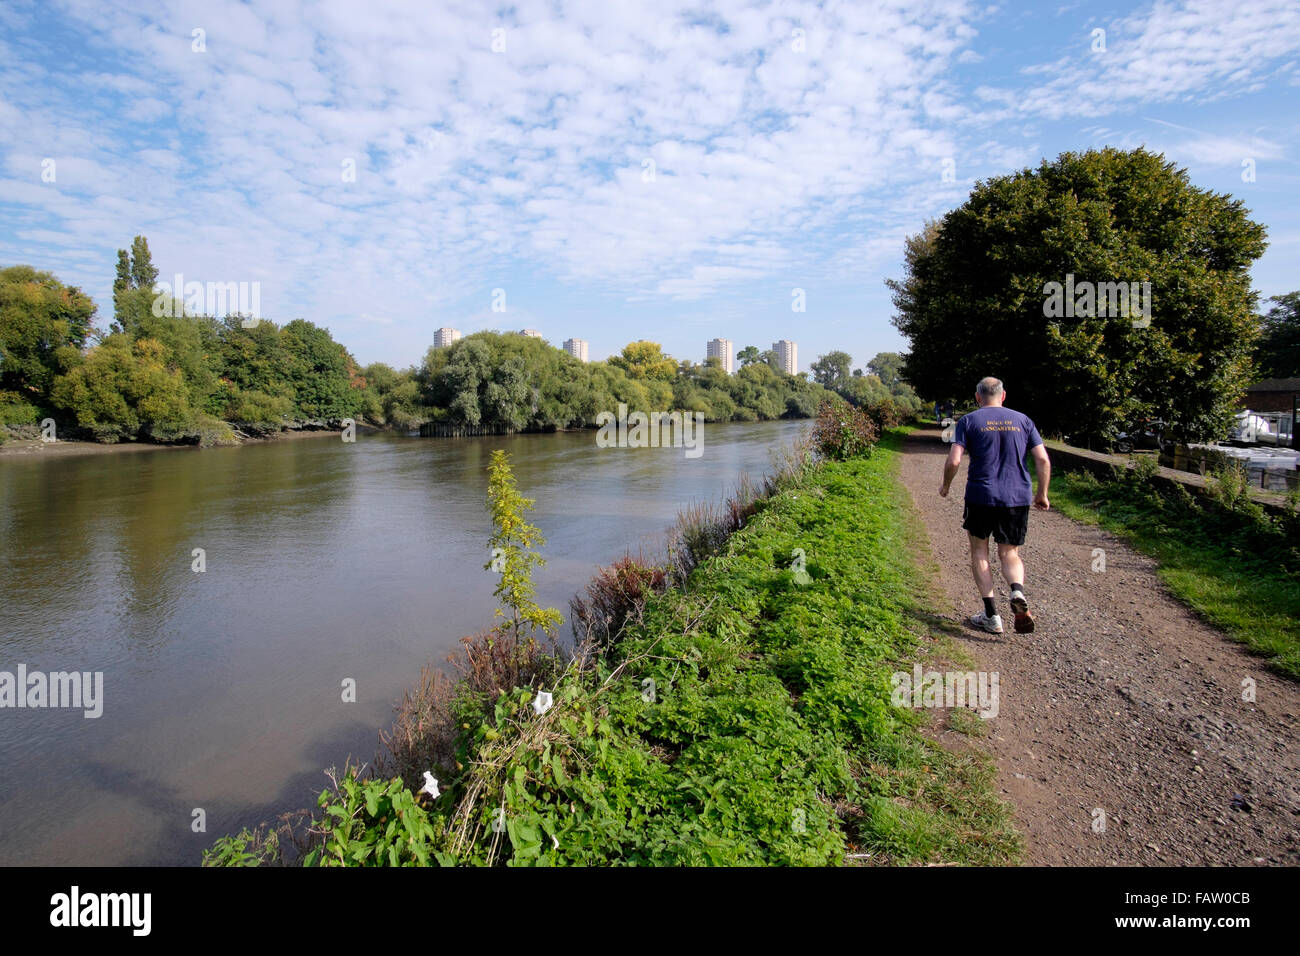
(1013,569)
(979,568)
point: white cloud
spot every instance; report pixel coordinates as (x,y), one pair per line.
(472,166)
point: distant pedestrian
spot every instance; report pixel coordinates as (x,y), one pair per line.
(938,414)
(998,495)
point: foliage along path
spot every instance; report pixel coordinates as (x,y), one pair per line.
(1122,702)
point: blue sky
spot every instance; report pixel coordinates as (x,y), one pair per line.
(781,159)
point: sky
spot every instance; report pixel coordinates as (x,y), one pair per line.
(619,170)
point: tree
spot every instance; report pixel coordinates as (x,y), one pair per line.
(747,356)
(978,296)
(832,370)
(43,327)
(322,374)
(888,367)
(133,295)
(143,273)
(125,390)
(1278,352)
(645,360)
(514,542)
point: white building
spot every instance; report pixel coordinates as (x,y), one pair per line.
(577,348)
(444,337)
(787,356)
(531,333)
(723,350)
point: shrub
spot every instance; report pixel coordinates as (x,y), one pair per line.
(16,410)
(885,414)
(257,408)
(842,431)
(617,594)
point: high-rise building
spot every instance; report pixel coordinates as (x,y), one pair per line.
(444,337)
(577,348)
(723,350)
(787,356)
(531,333)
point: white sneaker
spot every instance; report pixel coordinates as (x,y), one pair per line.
(985,623)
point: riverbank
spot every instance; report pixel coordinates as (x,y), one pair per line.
(64,448)
(745,718)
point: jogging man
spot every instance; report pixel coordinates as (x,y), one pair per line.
(998,495)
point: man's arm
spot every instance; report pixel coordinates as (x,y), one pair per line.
(1043,469)
(950,468)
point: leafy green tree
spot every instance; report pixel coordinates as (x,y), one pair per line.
(143,273)
(393,397)
(133,295)
(43,327)
(865,390)
(462,372)
(832,370)
(1278,353)
(747,356)
(645,360)
(124,390)
(188,344)
(888,367)
(514,545)
(321,372)
(976,295)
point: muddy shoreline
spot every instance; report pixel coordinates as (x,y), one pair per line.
(15,447)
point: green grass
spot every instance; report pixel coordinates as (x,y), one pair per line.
(771,739)
(1235,566)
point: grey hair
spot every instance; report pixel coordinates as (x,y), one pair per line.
(989,388)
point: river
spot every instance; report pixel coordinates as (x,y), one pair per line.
(324,561)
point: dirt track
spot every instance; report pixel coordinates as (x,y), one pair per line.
(1122,701)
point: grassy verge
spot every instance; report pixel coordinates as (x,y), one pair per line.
(1236,566)
(742,719)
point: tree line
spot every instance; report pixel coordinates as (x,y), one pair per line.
(163,373)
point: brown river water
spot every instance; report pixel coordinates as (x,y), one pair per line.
(324,561)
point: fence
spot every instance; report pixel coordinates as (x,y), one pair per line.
(437,430)
(1283,476)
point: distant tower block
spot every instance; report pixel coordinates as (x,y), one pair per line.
(577,348)
(444,337)
(723,350)
(787,356)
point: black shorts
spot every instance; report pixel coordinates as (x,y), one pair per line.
(1008,525)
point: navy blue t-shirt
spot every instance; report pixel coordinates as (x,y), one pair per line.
(997,439)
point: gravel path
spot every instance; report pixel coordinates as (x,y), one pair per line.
(1122,703)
